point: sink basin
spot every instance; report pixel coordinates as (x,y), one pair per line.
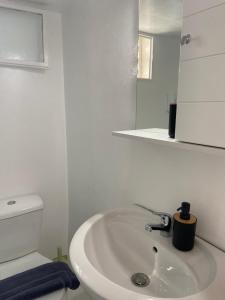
(112,247)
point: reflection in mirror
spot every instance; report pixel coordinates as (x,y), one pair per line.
(160,23)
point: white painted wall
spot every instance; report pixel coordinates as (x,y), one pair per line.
(161,177)
(154,96)
(100,44)
(33,144)
(106,171)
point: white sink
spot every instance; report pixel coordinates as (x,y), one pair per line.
(109,248)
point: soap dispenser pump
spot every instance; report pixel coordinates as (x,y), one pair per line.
(184,228)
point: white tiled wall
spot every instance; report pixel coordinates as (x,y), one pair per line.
(201,94)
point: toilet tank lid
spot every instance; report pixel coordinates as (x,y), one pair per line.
(17,206)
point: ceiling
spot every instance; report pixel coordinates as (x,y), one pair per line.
(49,2)
(155,16)
(160,16)
(52,4)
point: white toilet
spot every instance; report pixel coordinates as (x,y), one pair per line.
(20,224)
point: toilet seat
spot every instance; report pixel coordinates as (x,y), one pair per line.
(25,263)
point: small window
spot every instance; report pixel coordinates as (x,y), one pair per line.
(22,38)
(145,56)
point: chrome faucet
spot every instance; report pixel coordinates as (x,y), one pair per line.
(165,225)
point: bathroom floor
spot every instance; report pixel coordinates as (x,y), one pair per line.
(78,295)
(82,297)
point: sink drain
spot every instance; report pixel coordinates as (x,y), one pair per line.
(140,280)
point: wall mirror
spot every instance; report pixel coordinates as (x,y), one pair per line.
(160,24)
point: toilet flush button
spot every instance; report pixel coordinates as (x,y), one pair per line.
(11,202)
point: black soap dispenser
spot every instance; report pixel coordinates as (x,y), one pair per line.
(184,228)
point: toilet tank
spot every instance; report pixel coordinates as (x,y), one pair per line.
(20,225)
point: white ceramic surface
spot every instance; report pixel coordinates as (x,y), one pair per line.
(20,226)
(110,247)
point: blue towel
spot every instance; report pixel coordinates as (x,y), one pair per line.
(38,282)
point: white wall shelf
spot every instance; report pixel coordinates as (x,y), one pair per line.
(160,136)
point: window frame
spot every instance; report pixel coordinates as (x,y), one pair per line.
(151,37)
(27,63)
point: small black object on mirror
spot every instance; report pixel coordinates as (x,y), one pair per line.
(172,120)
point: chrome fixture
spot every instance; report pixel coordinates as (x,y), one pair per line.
(185,39)
(140,280)
(165,225)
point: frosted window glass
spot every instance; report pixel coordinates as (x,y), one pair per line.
(21,35)
(145,57)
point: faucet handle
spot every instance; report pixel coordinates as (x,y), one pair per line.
(165,225)
(163,215)
(166,219)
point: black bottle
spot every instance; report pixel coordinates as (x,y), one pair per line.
(172,120)
(184,228)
